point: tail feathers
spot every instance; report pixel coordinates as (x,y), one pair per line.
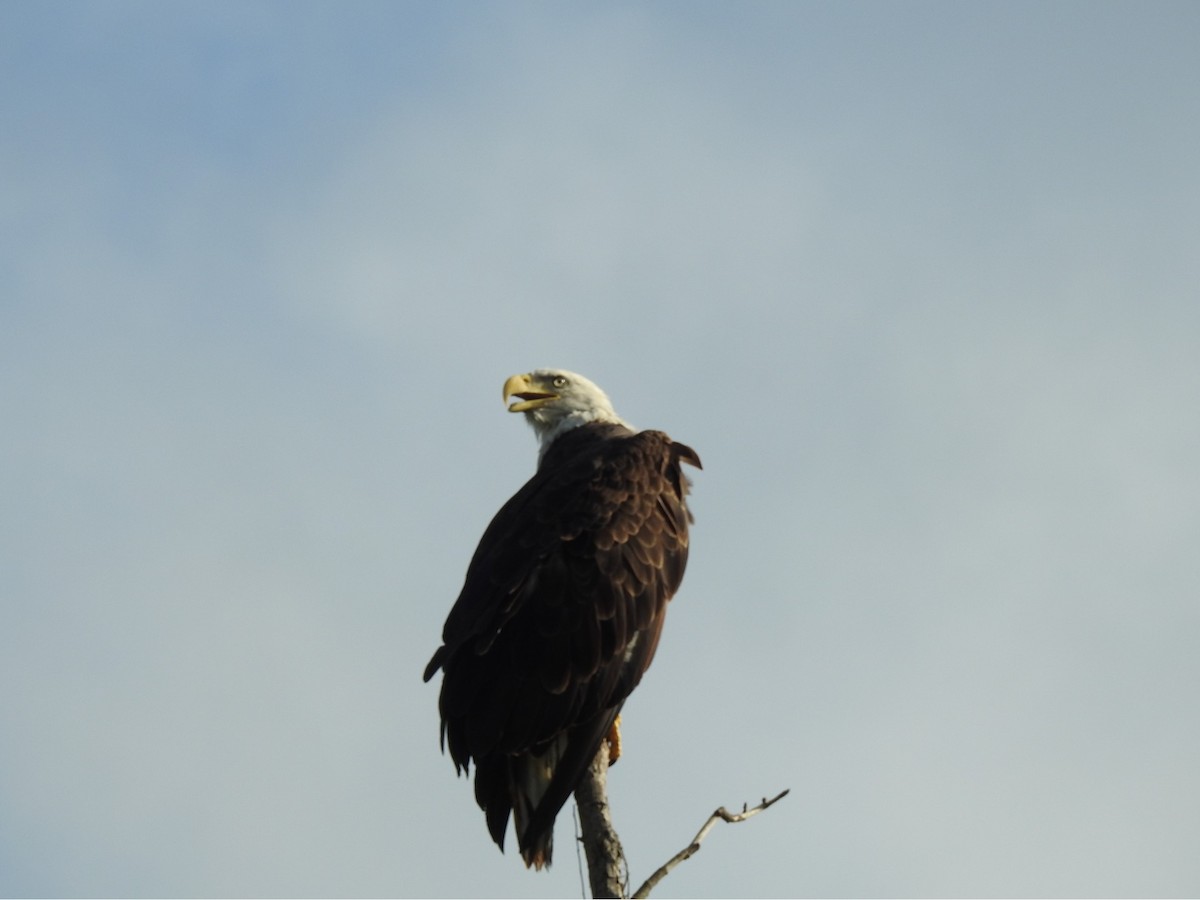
(537,857)
(529,780)
(549,782)
(535,786)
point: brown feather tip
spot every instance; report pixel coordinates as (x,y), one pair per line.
(535,859)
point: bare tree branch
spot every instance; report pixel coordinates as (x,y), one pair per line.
(721,814)
(608,873)
(601,846)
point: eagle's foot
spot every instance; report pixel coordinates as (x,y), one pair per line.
(613,739)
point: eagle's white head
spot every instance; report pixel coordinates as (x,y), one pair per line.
(555,400)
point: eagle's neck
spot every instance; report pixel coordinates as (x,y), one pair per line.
(550,432)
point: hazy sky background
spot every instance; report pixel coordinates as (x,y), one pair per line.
(920,282)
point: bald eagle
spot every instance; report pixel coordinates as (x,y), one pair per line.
(562,606)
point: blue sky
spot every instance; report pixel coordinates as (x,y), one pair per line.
(919,283)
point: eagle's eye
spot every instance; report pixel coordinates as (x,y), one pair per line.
(560,381)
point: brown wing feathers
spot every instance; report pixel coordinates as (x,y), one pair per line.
(559,617)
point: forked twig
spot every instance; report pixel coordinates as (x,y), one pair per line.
(722,815)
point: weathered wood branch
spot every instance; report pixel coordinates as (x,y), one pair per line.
(601,846)
(607,870)
(721,815)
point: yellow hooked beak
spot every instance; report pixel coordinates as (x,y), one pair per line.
(527,390)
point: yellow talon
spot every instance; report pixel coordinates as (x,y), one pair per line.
(613,739)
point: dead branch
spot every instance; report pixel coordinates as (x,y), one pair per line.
(722,815)
(608,873)
(601,846)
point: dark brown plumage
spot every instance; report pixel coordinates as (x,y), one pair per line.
(559,617)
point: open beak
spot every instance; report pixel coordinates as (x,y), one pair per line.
(526,391)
